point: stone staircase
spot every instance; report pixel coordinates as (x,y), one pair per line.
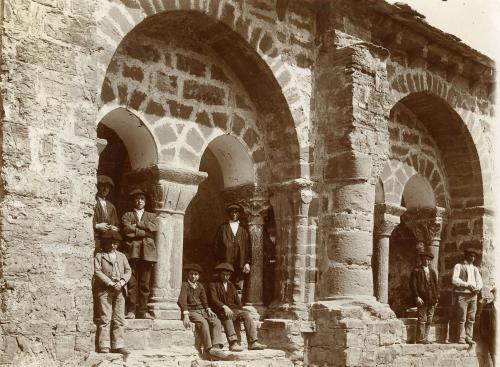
(166,343)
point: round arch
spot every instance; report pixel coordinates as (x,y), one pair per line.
(417,193)
(138,140)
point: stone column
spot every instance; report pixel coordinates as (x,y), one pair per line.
(296,245)
(172,190)
(387,217)
(427,225)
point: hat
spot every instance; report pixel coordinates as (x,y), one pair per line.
(471,250)
(111,235)
(225,266)
(136,192)
(194,267)
(102,179)
(233,206)
(426,254)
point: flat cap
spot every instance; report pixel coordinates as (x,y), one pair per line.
(136,192)
(224,266)
(233,206)
(194,267)
(472,250)
(426,254)
(111,235)
(103,179)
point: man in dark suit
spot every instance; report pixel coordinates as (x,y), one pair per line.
(424,287)
(105,216)
(232,245)
(226,304)
(139,228)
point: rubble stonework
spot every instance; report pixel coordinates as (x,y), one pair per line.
(355,126)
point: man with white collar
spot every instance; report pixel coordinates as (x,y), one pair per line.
(139,228)
(105,217)
(232,245)
(467,283)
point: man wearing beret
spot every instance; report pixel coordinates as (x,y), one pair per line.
(194,307)
(111,274)
(105,216)
(467,283)
(232,245)
(105,219)
(227,305)
(424,287)
(139,228)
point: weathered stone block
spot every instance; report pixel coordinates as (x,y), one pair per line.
(348,166)
(208,94)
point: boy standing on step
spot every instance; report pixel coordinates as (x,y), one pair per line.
(111,274)
(194,308)
(227,305)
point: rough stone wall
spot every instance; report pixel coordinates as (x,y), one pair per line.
(185,96)
(49,160)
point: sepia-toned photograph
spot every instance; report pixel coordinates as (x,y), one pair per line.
(248,183)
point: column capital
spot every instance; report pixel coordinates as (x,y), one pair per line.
(254,199)
(301,192)
(387,218)
(426,223)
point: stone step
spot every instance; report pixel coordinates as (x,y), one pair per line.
(187,357)
(437,332)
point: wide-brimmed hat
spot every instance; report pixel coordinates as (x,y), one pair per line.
(471,250)
(103,179)
(194,267)
(233,206)
(136,192)
(224,266)
(111,235)
(426,254)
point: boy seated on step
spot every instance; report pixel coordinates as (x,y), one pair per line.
(227,305)
(194,308)
(111,274)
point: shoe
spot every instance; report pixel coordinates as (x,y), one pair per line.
(256,346)
(218,353)
(423,342)
(104,350)
(130,315)
(462,341)
(147,316)
(120,351)
(235,347)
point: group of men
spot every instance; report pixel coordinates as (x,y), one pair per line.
(466,284)
(125,256)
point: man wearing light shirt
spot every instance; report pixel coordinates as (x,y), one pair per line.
(467,283)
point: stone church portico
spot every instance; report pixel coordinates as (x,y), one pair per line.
(357,130)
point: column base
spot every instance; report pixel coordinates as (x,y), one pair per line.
(297,311)
(165,310)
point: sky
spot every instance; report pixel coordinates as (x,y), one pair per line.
(475,22)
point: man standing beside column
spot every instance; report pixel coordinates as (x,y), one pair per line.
(232,245)
(424,287)
(467,283)
(139,227)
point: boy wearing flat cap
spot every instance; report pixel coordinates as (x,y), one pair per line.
(111,274)
(227,305)
(194,307)
(424,287)
(467,283)
(232,245)
(139,228)
(105,216)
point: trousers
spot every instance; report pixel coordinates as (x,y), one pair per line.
(425,313)
(111,319)
(139,286)
(210,328)
(465,308)
(233,329)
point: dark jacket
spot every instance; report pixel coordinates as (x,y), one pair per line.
(139,239)
(100,216)
(219,297)
(232,249)
(420,287)
(103,270)
(192,299)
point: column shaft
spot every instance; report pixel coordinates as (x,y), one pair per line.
(255,230)
(381,256)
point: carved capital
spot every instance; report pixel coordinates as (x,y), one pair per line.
(387,218)
(172,197)
(255,209)
(299,193)
(426,223)
(253,199)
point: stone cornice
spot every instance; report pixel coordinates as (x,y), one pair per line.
(167,173)
(386,219)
